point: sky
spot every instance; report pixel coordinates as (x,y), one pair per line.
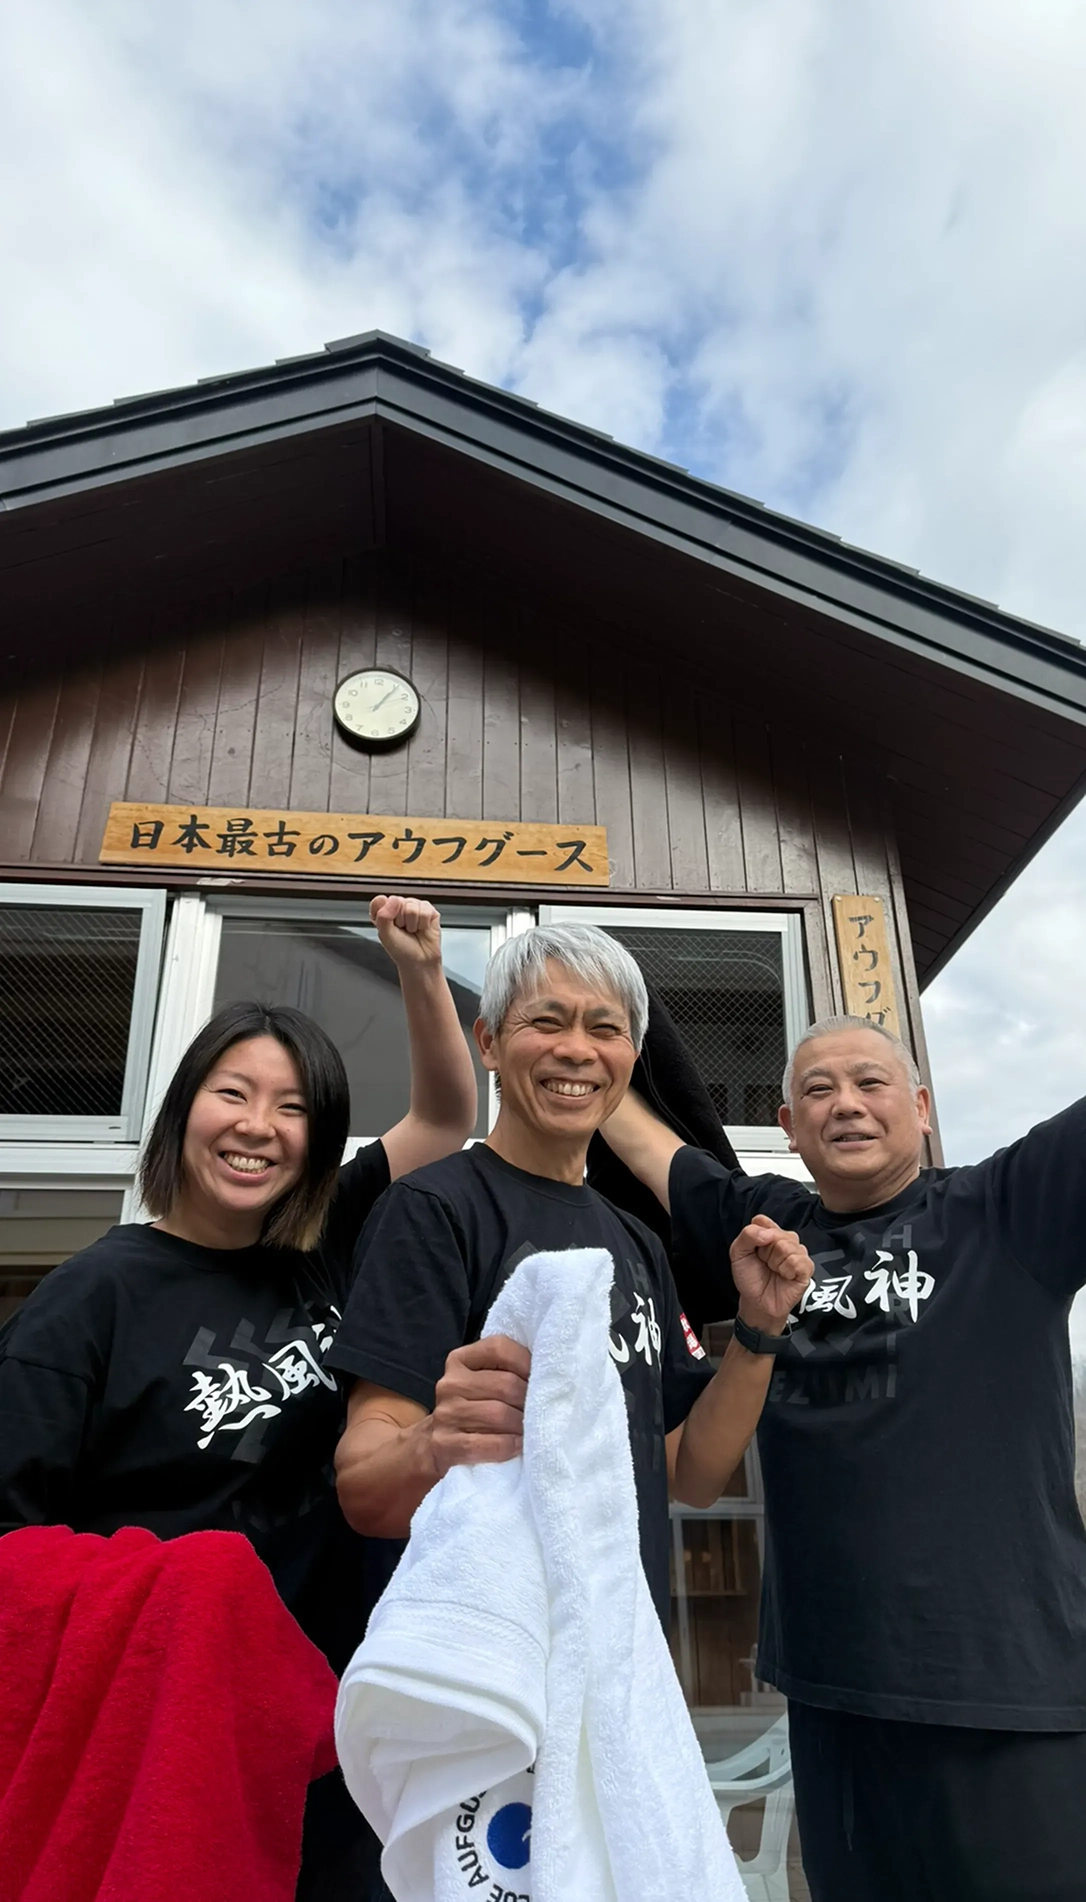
(827,253)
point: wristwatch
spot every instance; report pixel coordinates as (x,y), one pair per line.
(754,1341)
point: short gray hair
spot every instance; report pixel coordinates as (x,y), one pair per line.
(826,1026)
(585,951)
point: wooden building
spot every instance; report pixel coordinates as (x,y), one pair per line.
(762,719)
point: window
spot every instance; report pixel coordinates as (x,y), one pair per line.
(734,984)
(328,961)
(78,975)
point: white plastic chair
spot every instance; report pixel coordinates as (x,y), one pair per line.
(763,1769)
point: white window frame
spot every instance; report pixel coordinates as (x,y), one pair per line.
(748,1140)
(124,1127)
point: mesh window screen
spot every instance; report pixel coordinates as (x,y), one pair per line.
(725,992)
(66,982)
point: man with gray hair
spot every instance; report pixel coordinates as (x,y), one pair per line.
(562,1016)
(924,1596)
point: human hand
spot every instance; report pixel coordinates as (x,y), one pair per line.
(771,1270)
(478,1411)
(409,929)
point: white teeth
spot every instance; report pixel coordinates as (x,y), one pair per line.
(249,1165)
(570,1089)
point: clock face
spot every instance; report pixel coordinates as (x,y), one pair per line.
(377,707)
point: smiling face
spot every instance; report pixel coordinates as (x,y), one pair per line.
(855,1118)
(564,1055)
(245,1142)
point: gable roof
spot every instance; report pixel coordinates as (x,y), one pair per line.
(380,428)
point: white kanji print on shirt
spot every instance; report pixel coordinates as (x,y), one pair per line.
(910,1283)
(647,1336)
(829,1296)
(232,1397)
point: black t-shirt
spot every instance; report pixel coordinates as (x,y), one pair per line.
(435,1254)
(151,1382)
(925,1555)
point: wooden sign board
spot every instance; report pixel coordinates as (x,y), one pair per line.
(863,948)
(232,841)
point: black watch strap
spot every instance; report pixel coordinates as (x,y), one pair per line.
(754,1342)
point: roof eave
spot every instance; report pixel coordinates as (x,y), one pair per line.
(376,376)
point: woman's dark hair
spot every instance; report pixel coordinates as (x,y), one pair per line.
(296,1220)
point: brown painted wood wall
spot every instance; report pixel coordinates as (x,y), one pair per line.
(525,716)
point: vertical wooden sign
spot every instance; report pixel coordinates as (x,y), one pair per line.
(863,949)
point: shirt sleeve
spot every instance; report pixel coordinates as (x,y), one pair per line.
(49,1368)
(710,1206)
(410,1302)
(684,1367)
(1036,1192)
(361,1181)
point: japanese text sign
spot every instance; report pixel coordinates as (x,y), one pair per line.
(863,948)
(232,840)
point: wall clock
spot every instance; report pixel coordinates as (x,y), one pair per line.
(377,708)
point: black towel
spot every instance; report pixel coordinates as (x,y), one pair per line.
(665,1076)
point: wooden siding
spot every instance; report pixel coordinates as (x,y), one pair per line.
(525,716)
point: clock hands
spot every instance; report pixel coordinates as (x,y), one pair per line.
(378,704)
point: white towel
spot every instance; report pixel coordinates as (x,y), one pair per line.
(512,1725)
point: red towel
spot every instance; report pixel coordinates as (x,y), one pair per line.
(161,1715)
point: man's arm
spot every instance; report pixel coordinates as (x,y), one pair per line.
(444,1097)
(393,1451)
(645,1144)
(771,1269)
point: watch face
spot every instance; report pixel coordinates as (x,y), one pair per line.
(377,707)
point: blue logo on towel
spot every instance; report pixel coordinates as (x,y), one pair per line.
(509,1835)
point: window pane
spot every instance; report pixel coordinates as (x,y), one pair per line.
(41,1227)
(339,975)
(725,992)
(66,982)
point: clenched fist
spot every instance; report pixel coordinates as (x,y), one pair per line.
(771,1270)
(409,929)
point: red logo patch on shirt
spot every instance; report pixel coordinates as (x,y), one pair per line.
(692,1341)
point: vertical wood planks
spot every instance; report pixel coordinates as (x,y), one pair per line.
(239,687)
(156,714)
(24,767)
(795,818)
(197,711)
(277,701)
(66,766)
(757,802)
(388,771)
(501,712)
(685,793)
(611,764)
(538,790)
(836,871)
(573,734)
(111,751)
(464,757)
(430,672)
(720,793)
(349,783)
(311,769)
(648,792)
